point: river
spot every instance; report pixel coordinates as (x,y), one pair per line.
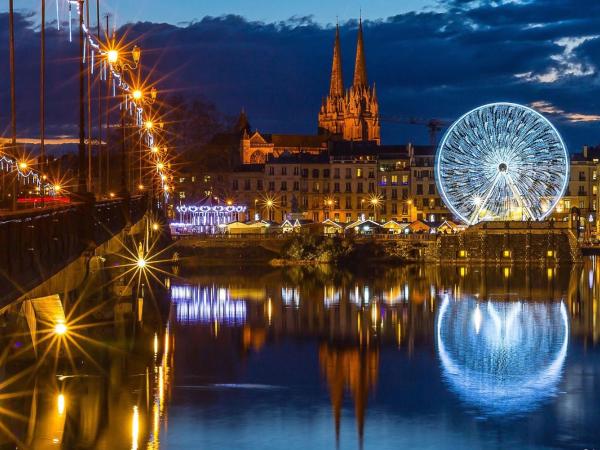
(422,357)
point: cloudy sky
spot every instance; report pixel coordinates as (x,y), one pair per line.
(429,59)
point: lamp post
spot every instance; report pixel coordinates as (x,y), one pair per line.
(117,59)
(13,108)
(81,185)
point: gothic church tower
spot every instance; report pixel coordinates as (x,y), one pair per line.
(353,115)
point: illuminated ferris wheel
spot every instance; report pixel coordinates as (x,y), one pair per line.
(502,161)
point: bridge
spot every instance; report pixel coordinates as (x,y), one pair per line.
(38,243)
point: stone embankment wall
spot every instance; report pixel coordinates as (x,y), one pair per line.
(501,242)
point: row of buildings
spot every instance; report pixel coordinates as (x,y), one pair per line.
(343,172)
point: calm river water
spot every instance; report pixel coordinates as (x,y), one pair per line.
(418,357)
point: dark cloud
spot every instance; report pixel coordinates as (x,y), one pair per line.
(433,64)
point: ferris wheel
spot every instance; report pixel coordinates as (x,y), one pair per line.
(501,161)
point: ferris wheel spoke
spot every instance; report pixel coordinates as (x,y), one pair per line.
(518,196)
(483,203)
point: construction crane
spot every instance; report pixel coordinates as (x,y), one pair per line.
(434,125)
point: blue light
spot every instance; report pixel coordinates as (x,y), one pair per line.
(501,161)
(504,358)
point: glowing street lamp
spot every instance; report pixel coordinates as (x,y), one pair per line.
(112,56)
(154,149)
(23,165)
(137,94)
(149,125)
(60,329)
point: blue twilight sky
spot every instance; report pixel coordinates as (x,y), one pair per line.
(429,59)
(185,11)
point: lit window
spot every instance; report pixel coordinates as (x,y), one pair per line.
(506,253)
(550,253)
(462,253)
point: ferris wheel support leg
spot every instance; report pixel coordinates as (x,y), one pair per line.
(518,196)
(475,214)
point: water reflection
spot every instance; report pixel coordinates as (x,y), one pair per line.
(395,356)
(505,358)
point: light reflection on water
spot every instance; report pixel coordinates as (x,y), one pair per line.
(303,358)
(505,358)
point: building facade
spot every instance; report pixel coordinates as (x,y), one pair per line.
(343,173)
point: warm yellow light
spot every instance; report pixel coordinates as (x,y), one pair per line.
(409,202)
(166,188)
(60,404)
(160,166)
(149,124)
(57,188)
(137,94)
(112,56)
(550,253)
(462,253)
(154,149)
(163,177)
(155,344)
(135,428)
(141,263)
(112,195)
(155,226)
(506,253)
(60,329)
(141,187)
(229,202)
(269,203)
(22,165)
(374,201)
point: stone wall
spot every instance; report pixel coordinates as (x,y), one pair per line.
(501,242)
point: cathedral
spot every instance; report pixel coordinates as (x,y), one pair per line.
(350,114)
(346,115)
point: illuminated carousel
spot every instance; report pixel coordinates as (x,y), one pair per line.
(209,216)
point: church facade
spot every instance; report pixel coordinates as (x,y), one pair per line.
(350,114)
(346,114)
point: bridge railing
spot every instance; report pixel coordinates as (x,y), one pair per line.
(37,243)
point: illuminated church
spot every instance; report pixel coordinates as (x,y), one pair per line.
(350,114)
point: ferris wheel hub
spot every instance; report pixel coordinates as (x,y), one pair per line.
(502,167)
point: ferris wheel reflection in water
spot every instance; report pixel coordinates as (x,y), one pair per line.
(503,358)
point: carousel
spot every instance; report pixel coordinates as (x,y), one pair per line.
(209,216)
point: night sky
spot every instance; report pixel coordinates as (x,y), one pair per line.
(428,59)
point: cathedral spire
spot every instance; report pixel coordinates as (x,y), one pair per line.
(360,67)
(336,86)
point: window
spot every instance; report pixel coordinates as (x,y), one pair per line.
(304,201)
(304,173)
(405,179)
(404,193)
(431,189)
(325,173)
(247,185)
(284,170)
(394,194)
(194,179)
(348,173)
(359,173)
(271,185)
(348,217)
(296,171)
(383,180)
(271,170)
(359,188)
(371,187)
(315,173)
(296,185)
(316,186)
(419,189)
(383,194)
(348,187)
(394,208)
(336,217)
(284,200)
(336,172)
(235,185)
(348,202)
(581,176)
(371,174)
(394,180)
(581,190)
(259,185)
(336,187)
(284,185)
